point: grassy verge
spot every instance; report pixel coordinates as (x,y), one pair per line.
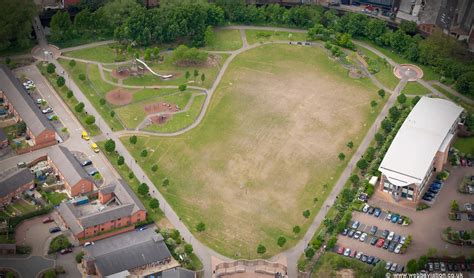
(465,145)
(454,98)
(385,74)
(225,40)
(102,53)
(81,41)
(330,264)
(255,36)
(181,120)
(415,88)
(94,88)
(71,102)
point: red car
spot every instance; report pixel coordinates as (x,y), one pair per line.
(65,251)
(340,251)
(353,254)
(48,220)
(380,242)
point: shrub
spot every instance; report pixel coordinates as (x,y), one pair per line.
(50,68)
(182,87)
(331,243)
(112,113)
(402,99)
(133,139)
(309,253)
(200,227)
(165,182)
(369,189)
(58,243)
(415,100)
(354,179)
(412,266)
(90,120)
(341,156)
(79,107)
(82,76)
(281,241)
(381,93)
(188,249)
(306,213)
(154,168)
(144,153)
(185,55)
(79,257)
(154,203)
(379,138)
(109,145)
(102,101)
(373,103)
(296,229)
(60,81)
(143,189)
(362,164)
(261,249)
(387,125)
(72,63)
(120,160)
(69,94)
(131,175)
(350,144)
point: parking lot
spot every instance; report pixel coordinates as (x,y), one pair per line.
(426,227)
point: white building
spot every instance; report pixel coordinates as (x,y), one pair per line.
(420,148)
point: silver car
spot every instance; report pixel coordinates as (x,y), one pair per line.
(363,237)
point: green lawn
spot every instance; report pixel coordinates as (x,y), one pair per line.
(101,53)
(225,40)
(23,206)
(331,263)
(385,74)
(415,88)
(94,88)
(255,36)
(93,130)
(181,120)
(168,67)
(465,145)
(134,114)
(266,147)
(55,197)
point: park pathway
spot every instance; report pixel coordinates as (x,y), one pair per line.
(202,251)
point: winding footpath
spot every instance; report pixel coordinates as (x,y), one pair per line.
(202,251)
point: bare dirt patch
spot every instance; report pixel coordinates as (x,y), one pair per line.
(161,119)
(159,107)
(119,96)
(121,73)
(345,273)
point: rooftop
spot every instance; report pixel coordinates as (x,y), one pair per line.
(12,180)
(411,154)
(67,165)
(22,102)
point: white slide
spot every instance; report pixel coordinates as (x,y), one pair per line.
(154,73)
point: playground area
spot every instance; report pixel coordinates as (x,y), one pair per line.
(119,97)
(266,150)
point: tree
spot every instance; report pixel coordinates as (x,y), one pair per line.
(188,249)
(281,241)
(415,100)
(133,139)
(90,120)
(187,75)
(341,156)
(154,203)
(306,213)
(454,206)
(102,101)
(465,84)
(156,52)
(110,145)
(165,182)
(422,261)
(120,160)
(147,55)
(309,253)
(154,168)
(72,63)
(112,113)
(143,189)
(412,266)
(362,164)
(20,128)
(394,113)
(144,153)
(131,175)
(79,107)
(16,23)
(200,227)
(331,243)
(50,68)
(196,74)
(354,179)
(401,98)
(209,36)
(379,270)
(296,229)
(203,77)
(82,76)
(184,55)
(69,94)
(261,249)
(408,27)
(61,26)
(182,87)
(381,93)
(387,125)
(60,81)
(373,103)
(379,138)
(350,144)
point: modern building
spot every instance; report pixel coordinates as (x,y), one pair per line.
(65,166)
(420,148)
(133,254)
(22,107)
(116,210)
(13,183)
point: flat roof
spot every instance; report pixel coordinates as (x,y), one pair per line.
(411,154)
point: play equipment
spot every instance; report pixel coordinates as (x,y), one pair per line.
(152,72)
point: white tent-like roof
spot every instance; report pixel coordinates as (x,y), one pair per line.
(426,130)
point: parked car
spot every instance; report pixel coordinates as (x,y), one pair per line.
(359,254)
(353,254)
(398,249)
(390,236)
(427,198)
(90,243)
(345,231)
(394,267)
(340,251)
(400,221)
(402,240)
(347,252)
(371,210)
(429,194)
(351,233)
(442,267)
(363,258)
(366,208)
(380,242)
(436,266)
(94,147)
(54,230)
(395,218)
(65,251)
(370,259)
(355,225)
(373,240)
(386,244)
(388,265)
(388,217)
(376,260)
(430,267)
(377,212)
(468,206)
(363,237)
(21,164)
(373,230)
(396,238)
(385,233)
(392,246)
(40,100)
(48,219)
(357,234)
(85,136)
(47,110)
(86,162)
(433,190)
(51,117)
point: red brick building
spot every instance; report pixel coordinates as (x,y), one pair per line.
(116,210)
(13,183)
(22,107)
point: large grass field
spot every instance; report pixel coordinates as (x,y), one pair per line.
(225,40)
(268,145)
(255,36)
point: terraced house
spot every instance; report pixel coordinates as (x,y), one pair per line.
(22,107)
(13,183)
(116,210)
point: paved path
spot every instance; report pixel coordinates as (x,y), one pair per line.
(83,46)
(451,91)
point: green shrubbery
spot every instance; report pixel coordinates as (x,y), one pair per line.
(58,243)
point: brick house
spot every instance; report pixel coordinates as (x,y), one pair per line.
(419,149)
(22,107)
(65,165)
(12,184)
(117,211)
(3,139)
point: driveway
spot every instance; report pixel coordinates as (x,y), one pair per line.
(27,267)
(35,234)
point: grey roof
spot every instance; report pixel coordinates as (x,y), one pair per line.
(124,193)
(3,136)
(128,251)
(106,215)
(178,272)
(66,209)
(14,180)
(67,165)
(107,189)
(23,104)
